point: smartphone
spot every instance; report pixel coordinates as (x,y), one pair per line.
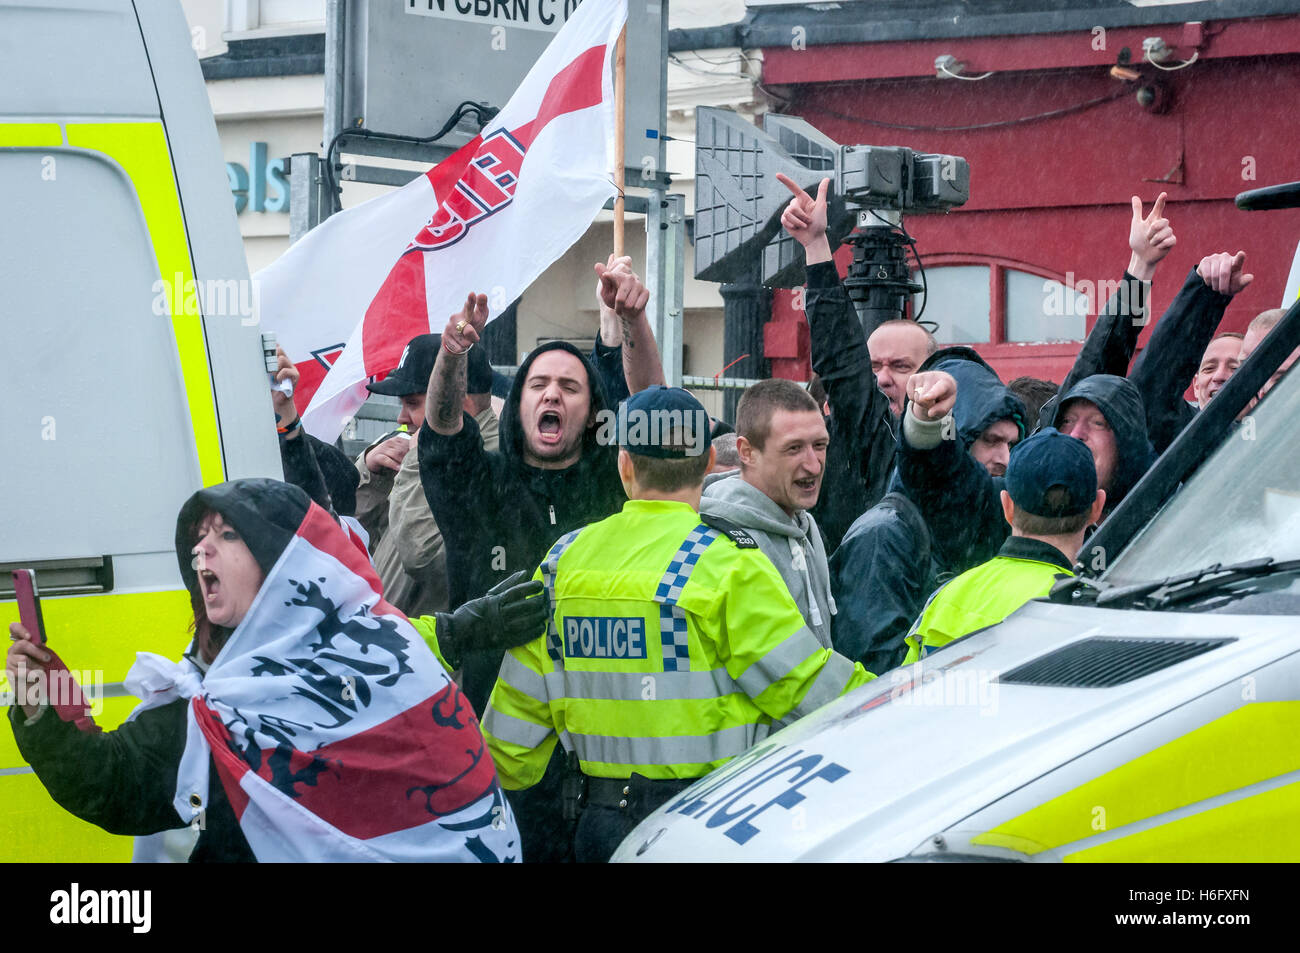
(29,604)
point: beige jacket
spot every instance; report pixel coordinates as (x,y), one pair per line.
(405,542)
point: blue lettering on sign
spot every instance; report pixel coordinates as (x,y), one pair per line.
(263,186)
(604,637)
(798,769)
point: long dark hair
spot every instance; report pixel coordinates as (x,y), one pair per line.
(208,638)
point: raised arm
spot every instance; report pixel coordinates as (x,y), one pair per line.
(953,491)
(1111,343)
(297,458)
(445,399)
(622,294)
(861,451)
(1169,361)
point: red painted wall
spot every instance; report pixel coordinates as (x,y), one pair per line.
(1054,193)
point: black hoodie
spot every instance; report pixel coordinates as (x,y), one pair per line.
(125,780)
(499,515)
(265,513)
(1122,406)
(961,502)
(892,555)
(958,499)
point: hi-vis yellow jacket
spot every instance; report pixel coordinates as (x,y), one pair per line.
(672,648)
(1023,569)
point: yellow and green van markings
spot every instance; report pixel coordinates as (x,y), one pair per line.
(140,148)
(1251,744)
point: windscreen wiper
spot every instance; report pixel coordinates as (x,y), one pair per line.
(1172,590)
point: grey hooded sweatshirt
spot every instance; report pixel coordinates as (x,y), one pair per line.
(794,545)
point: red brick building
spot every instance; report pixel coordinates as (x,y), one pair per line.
(1056,145)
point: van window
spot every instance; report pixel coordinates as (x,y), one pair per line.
(1242,503)
(99,452)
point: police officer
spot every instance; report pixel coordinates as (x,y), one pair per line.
(673,643)
(1050,500)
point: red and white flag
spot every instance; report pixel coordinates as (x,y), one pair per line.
(335,732)
(347,297)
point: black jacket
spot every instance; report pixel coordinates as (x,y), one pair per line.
(860,456)
(124,780)
(892,557)
(1168,363)
(498,515)
(961,502)
(955,494)
(880,576)
(1110,344)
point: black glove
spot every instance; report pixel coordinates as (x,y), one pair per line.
(513,612)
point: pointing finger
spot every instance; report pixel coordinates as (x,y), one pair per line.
(1159,208)
(789,184)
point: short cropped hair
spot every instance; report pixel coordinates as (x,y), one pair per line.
(762,400)
(1034,392)
(931,345)
(1032,524)
(669,474)
(1229,334)
(724,444)
(1266,321)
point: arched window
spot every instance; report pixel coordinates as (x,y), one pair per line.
(978,299)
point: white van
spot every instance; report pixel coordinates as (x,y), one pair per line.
(131,368)
(1150,714)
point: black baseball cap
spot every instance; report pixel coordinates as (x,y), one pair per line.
(411,375)
(665,422)
(1051,460)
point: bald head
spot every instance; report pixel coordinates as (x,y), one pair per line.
(1263,323)
(897,349)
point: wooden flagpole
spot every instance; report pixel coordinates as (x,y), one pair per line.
(620,124)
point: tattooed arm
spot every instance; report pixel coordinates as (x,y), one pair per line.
(622,292)
(444,401)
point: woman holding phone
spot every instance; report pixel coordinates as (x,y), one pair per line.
(308,720)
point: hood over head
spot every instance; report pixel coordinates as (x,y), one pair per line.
(512,431)
(265,513)
(1121,404)
(982,398)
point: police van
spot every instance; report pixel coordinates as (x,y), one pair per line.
(131,367)
(1148,711)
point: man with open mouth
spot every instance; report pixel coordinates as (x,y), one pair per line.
(782,441)
(500,512)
